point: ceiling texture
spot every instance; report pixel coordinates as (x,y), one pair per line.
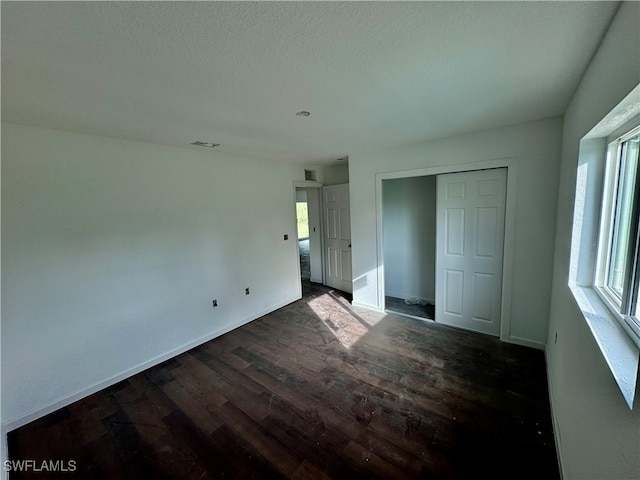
(372,74)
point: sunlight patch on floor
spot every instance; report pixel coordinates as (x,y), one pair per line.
(346,326)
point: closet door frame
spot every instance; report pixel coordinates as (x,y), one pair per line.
(511,164)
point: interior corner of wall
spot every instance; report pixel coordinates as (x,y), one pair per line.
(4,452)
(554,419)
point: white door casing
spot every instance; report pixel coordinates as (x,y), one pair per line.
(315,238)
(469,249)
(337,237)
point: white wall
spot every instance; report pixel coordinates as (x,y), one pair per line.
(297,172)
(113,251)
(301,194)
(409,237)
(536,146)
(598,436)
(336,174)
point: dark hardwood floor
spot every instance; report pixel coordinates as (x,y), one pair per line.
(304,253)
(315,390)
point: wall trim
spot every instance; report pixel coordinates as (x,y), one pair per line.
(85,392)
(366,306)
(318,186)
(524,342)
(511,164)
(297,240)
(554,421)
(404,296)
(307,184)
(413,317)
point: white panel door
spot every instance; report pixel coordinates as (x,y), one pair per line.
(469,249)
(337,237)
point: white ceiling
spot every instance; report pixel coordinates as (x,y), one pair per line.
(373,75)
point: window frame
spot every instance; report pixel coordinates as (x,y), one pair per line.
(614,335)
(624,309)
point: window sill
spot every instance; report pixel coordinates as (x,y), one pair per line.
(618,349)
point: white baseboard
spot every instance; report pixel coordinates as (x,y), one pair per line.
(556,429)
(375,308)
(404,296)
(414,317)
(526,343)
(389,293)
(85,392)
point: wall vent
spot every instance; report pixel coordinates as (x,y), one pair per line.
(310,175)
(205,144)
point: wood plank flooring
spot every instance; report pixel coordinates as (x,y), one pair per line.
(316,390)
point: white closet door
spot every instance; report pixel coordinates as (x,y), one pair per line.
(469,249)
(337,237)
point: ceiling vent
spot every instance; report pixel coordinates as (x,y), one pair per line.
(205,144)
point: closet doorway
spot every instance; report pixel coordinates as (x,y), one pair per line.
(443,247)
(409,239)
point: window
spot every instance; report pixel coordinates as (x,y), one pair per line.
(617,278)
(604,269)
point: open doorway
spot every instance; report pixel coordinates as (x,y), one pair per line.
(302,217)
(409,239)
(309,235)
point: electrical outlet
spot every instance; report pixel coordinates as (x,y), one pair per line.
(215,303)
(246,291)
(286,237)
